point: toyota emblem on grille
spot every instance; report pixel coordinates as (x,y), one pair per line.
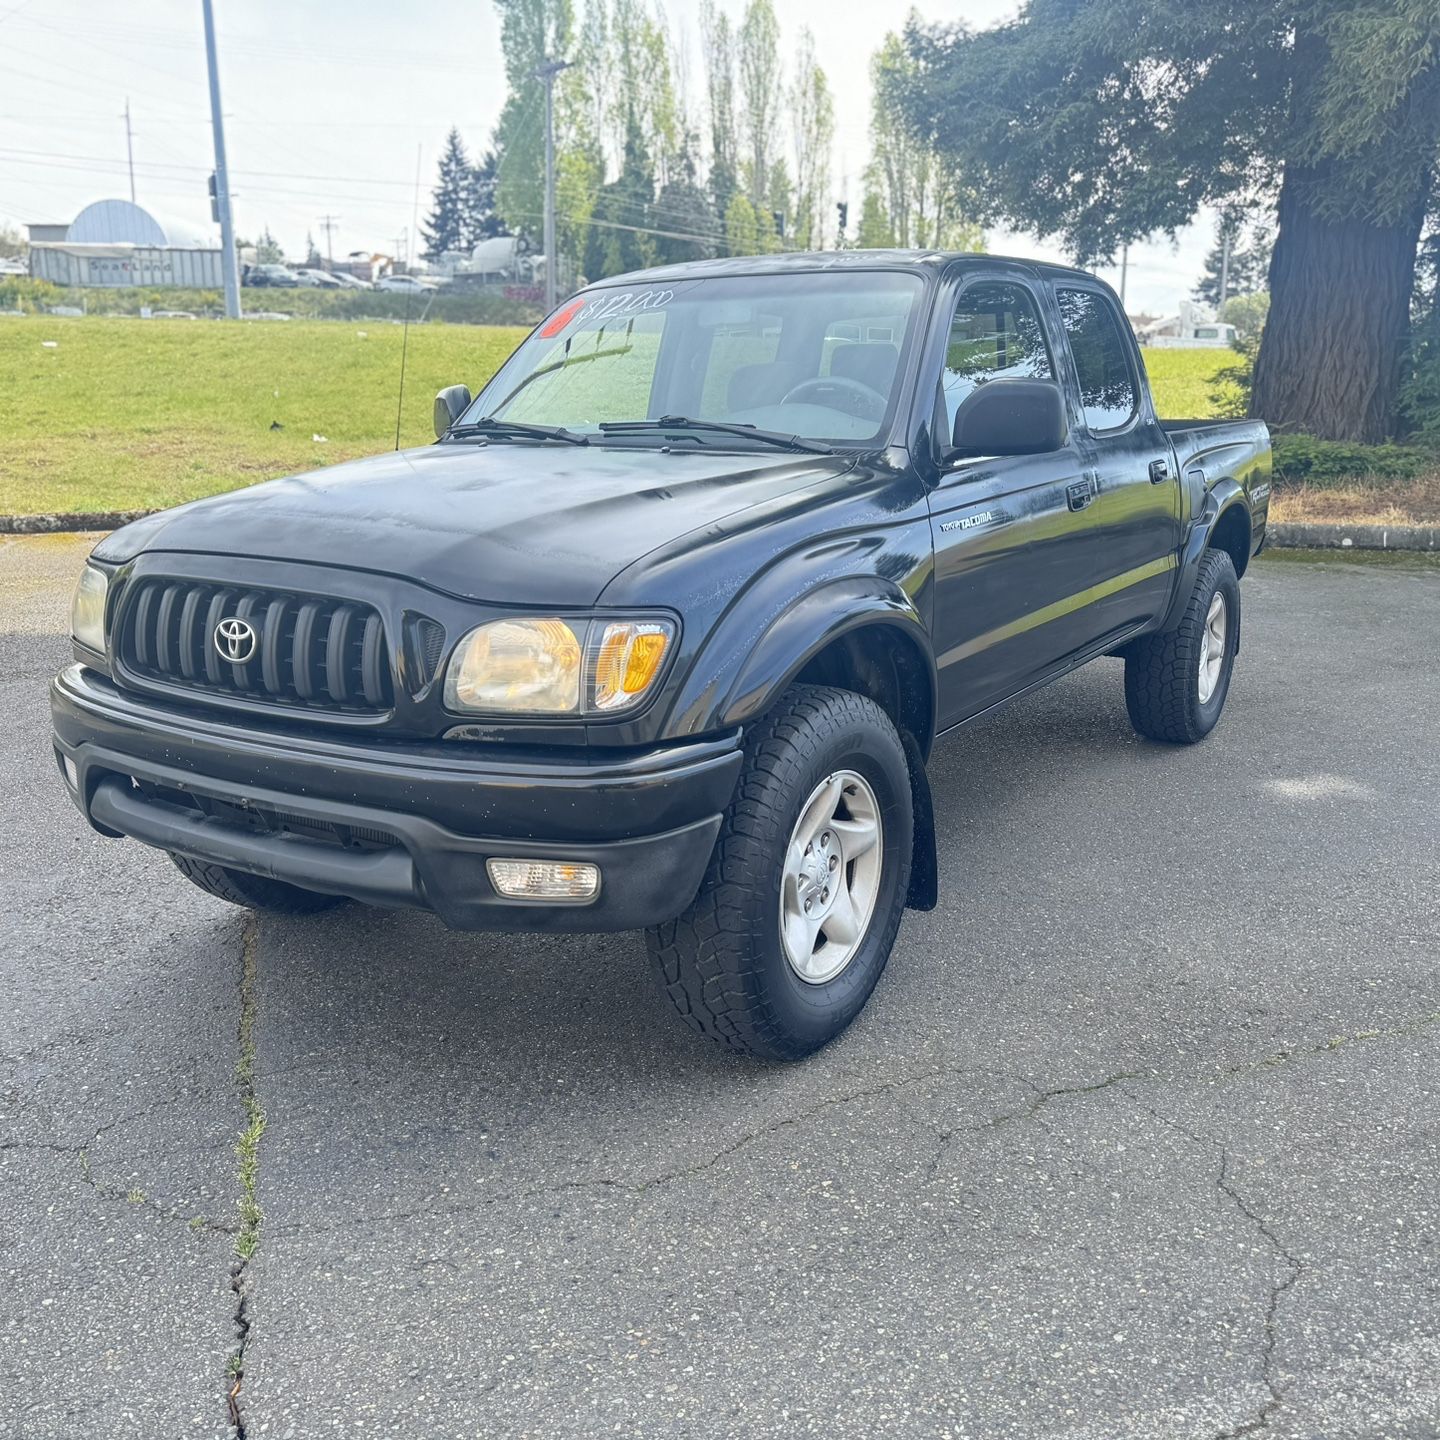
(236,639)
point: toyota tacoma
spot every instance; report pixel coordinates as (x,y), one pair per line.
(660,631)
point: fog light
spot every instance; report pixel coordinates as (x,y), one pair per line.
(72,774)
(544,879)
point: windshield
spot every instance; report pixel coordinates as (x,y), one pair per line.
(813,355)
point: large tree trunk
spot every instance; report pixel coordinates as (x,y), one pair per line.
(1329,361)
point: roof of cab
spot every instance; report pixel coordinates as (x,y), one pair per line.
(821,261)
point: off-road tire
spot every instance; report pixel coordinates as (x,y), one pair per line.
(1162,691)
(722,962)
(254,892)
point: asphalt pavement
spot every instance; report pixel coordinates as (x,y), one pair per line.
(1139,1136)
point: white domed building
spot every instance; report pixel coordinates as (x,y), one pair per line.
(116,242)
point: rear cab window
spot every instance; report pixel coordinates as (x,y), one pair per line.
(1109,392)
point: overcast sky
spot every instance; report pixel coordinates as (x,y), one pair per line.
(327,105)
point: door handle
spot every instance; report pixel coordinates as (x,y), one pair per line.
(1159,471)
(1079,493)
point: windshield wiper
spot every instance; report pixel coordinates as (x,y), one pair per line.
(720,427)
(492,425)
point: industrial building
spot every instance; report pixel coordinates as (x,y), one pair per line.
(116,242)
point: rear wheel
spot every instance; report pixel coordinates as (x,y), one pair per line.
(798,911)
(254,892)
(1176,682)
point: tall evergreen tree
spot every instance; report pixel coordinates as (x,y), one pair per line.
(1249,265)
(622,243)
(1106,120)
(531,31)
(719,47)
(481,221)
(446,226)
(683,208)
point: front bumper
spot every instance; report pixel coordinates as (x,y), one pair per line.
(289,806)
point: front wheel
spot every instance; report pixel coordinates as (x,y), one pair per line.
(254,892)
(1176,682)
(799,908)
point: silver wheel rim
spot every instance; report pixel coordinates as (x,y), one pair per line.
(1212,647)
(832,877)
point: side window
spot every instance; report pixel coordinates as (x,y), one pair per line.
(1102,358)
(996,333)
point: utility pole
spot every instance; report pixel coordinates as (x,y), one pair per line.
(1224,266)
(229,261)
(1124,270)
(328,224)
(546,73)
(129,150)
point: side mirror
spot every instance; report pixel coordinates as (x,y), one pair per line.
(450,404)
(1011,417)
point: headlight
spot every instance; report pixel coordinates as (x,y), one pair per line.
(87,610)
(557,667)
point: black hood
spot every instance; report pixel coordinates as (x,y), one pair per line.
(508,523)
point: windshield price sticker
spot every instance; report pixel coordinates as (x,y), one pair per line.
(627,302)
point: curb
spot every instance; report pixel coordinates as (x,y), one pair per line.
(106,520)
(1280,537)
(1356,537)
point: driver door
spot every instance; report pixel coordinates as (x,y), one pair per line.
(1013,542)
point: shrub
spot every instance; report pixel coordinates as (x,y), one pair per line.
(1326,464)
(456,307)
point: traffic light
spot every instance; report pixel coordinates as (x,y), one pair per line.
(214,199)
(842,209)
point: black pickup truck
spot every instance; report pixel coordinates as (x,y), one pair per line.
(662,629)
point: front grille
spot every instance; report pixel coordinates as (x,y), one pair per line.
(310,651)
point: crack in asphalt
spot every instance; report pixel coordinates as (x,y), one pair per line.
(1280,1058)
(1278,1289)
(685,1172)
(1279,1286)
(247,1152)
(80,1151)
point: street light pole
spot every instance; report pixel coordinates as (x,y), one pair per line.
(229,266)
(546,73)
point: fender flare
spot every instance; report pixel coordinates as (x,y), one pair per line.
(1223,496)
(813,621)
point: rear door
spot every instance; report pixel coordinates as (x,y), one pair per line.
(1136,511)
(1013,535)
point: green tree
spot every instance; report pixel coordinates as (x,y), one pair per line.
(684,209)
(267,249)
(313,260)
(813,113)
(446,226)
(762,92)
(619,236)
(1248,268)
(1247,313)
(479,218)
(875,231)
(531,31)
(1106,120)
(922,201)
(718,44)
(742,230)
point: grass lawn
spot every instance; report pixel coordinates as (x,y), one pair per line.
(133,414)
(125,414)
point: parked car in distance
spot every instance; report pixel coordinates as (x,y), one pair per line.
(279,276)
(347,281)
(682,668)
(12,266)
(317,279)
(412,284)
